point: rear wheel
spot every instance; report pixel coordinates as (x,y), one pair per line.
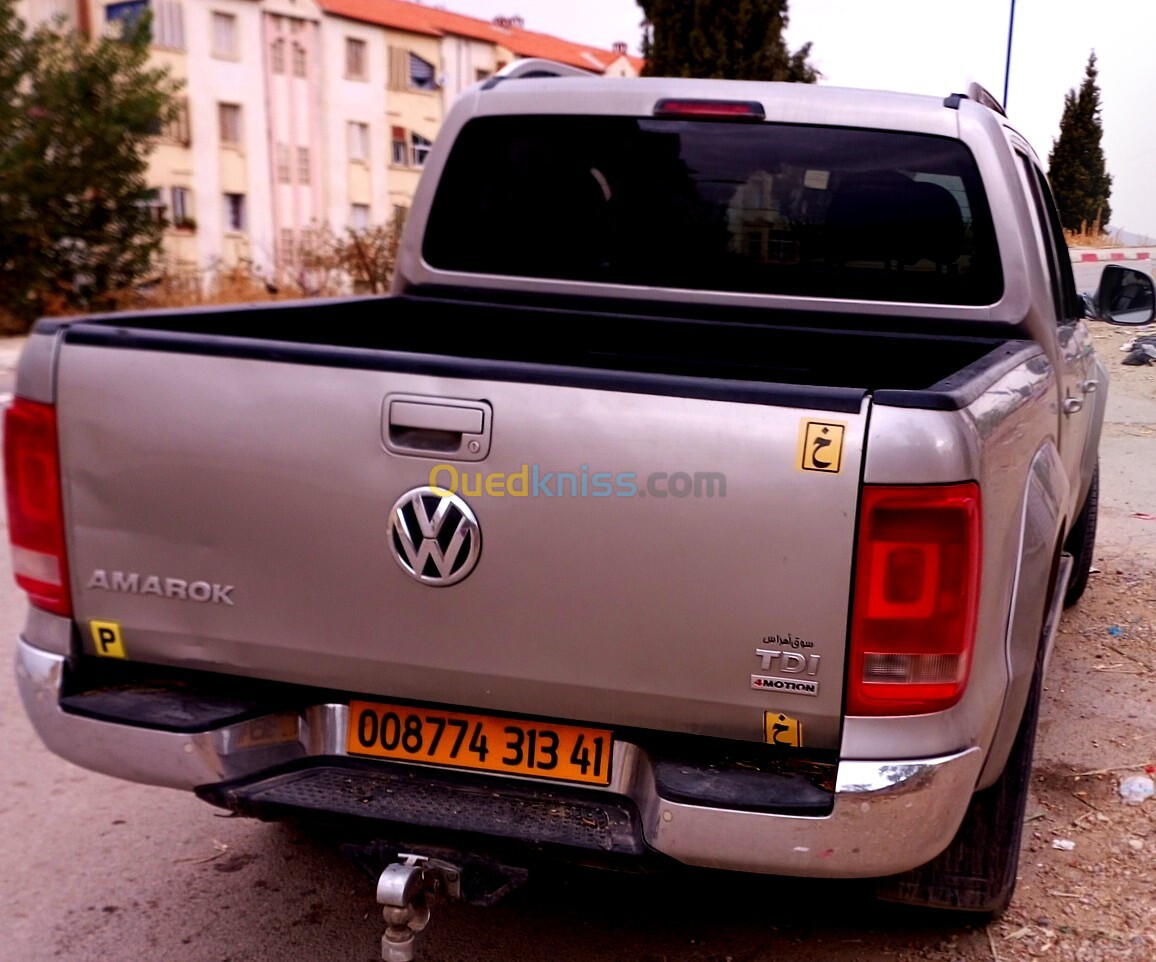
(977,872)
(1081,542)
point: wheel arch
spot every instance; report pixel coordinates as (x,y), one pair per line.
(1043,527)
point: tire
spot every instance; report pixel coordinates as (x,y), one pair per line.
(1081,542)
(976,874)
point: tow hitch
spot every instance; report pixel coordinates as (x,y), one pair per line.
(409,883)
(405,889)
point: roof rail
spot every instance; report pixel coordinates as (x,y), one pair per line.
(535,67)
(980,95)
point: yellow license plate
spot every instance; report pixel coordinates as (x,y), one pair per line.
(493,744)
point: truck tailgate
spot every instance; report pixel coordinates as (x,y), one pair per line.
(234,514)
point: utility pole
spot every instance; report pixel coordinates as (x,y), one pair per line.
(1007,65)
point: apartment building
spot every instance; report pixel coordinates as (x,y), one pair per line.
(296,114)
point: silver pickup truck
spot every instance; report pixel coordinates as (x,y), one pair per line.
(707,492)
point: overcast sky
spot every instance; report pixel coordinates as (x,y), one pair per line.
(938,47)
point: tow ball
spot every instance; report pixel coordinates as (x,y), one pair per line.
(404,890)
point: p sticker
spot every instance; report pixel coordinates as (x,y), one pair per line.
(821,446)
(106,637)
(780,729)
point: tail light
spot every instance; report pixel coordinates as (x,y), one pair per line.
(749,110)
(35,513)
(916,591)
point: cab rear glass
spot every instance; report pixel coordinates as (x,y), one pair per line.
(707,205)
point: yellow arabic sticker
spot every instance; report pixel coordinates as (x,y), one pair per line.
(780,729)
(821,446)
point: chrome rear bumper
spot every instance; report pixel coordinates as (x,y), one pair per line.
(888,816)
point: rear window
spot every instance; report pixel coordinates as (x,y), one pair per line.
(765,208)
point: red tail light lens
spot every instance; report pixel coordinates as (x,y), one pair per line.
(916,592)
(35,514)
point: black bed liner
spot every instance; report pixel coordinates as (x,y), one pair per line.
(785,358)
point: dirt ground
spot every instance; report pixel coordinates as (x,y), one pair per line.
(1096,901)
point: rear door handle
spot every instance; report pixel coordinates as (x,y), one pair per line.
(1073,404)
(430,427)
(1089,387)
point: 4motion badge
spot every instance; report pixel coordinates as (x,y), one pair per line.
(791,671)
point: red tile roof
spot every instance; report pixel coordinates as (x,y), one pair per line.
(411,17)
(417,18)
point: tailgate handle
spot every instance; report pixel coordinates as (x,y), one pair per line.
(444,428)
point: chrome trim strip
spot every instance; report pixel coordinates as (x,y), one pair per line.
(889,816)
(1056,606)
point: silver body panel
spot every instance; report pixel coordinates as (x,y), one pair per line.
(626,610)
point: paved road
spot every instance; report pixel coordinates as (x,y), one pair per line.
(94,869)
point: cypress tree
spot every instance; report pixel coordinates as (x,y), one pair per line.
(1076,168)
(724,39)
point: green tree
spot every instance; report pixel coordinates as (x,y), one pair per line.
(16,58)
(1076,168)
(725,39)
(76,123)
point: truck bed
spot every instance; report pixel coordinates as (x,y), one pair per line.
(913,368)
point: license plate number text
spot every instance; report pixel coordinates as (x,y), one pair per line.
(514,746)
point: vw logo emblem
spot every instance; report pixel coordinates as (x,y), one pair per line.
(435,539)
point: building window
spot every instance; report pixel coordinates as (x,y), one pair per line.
(421,148)
(229,123)
(398,69)
(303,165)
(281,155)
(156,205)
(125,15)
(288,245)
(235,213)
(177,129)
(277,56)
(182,205)
(421,73)
(480,75)
(359,216)
(168,20)
(169,24)
(358,141)
(355,59)
(224,36)
(399,148)
(299,67)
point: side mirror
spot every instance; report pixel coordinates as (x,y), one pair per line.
(1125,296)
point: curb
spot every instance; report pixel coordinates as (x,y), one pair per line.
(1081,255)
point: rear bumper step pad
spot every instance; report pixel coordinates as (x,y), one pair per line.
(608,823)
